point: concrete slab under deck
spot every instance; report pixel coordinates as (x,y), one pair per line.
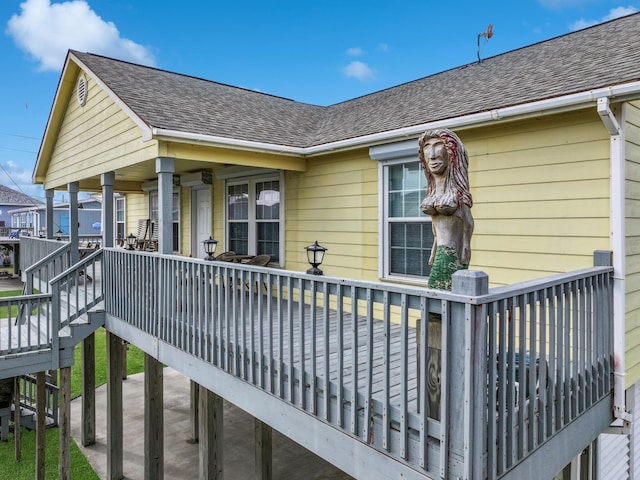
(290,460)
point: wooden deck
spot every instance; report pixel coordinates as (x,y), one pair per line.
(337,366)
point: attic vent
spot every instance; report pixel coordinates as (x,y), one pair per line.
(82,90)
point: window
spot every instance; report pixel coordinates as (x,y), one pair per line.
(153,215)
(120,218)
(406,237)
(254,216)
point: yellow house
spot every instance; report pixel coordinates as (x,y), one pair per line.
(553,135)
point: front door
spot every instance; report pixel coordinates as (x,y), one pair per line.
(200,220)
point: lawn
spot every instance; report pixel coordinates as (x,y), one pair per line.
(80,467)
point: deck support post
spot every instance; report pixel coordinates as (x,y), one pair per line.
(88,428)
(64,425)
(115,470)
(264,449)
(17,432)
(41,403)
(107,180)
(153,419)
(194,392)
(466,329)
(211,435)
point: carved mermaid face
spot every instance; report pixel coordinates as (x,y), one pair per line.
(436,156)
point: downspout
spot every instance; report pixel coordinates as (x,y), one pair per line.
(618,234)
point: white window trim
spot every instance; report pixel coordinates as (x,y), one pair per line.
(252,180)
(117,198)
(389,155)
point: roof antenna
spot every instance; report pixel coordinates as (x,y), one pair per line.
(487,35)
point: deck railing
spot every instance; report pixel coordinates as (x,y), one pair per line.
(518,363)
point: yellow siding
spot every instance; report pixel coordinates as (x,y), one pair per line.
(137,206)
(95,138)
(541,196)
(336,203)
(632,241)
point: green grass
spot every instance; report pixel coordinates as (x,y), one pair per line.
(135,363)
(80,467)
(25,469)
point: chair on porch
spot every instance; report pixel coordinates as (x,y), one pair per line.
(260,261)
(143,232)
(151,245)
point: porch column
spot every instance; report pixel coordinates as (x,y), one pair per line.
(73,189)
(165,168)
(115,470)
(108,180)
(49,212)
(211,437)
(153,419)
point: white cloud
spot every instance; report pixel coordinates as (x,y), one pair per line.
(614,13)
(354,52)
(359,70)
(46,31)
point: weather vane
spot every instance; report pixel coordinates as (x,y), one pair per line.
(487,35)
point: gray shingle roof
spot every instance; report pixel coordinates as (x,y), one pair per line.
(8,196)
(604,55)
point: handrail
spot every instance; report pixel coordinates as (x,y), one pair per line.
(304,338)
(49,266)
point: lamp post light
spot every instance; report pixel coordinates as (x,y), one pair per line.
(210,248)
(315,256)
(59,235)
(131,241)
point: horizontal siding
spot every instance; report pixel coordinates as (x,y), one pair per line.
(613,457)
(632,227)
(96,138)
(336,203)
(541,196)
(185,221)
(137,208)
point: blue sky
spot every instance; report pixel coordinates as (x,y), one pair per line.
(321,52)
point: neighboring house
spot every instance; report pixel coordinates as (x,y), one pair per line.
(89,217)
(552,131)
(11,199)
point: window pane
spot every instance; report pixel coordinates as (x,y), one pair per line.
(268,239)
(239,237)
(153,206)
(406,189)
(238,202)
(410,248)
(268,200)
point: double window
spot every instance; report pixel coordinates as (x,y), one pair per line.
(406,237)
(253,209)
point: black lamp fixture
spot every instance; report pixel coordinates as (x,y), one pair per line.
(131,241)
(59,235)
(210,248)
(315,256)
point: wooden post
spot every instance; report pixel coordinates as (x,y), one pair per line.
(107,180)
(263,437)
(64,425)
(153,419)
(73,189)
(41,403)
(115,470)
(433,363)
(17,432)
(49,193)
(88,391)
(193,410)
(211,435)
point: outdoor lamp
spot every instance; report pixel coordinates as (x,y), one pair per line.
(315,256)
(131,241)
(59,235)
(210,247)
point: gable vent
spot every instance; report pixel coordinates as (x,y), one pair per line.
(82,90)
